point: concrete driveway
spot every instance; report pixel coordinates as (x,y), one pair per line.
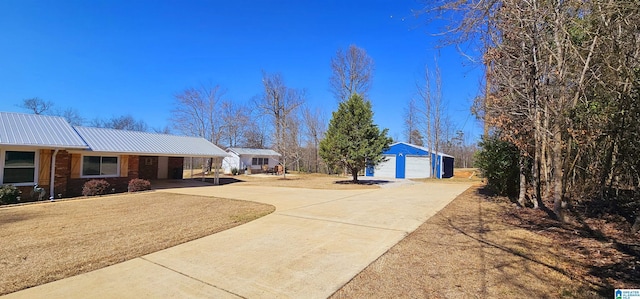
(314,243)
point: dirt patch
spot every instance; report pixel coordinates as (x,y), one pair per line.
(50,241)
(473,249)
(466,173)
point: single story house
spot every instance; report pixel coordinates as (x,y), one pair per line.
(404,160)
(49,152)
(252,159)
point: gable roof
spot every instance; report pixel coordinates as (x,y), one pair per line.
(253,151)
(38,130)
(143,143)
(421,148)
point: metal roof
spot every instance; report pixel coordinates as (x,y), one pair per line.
(143,143)
(253,151)
(422,148)
(38,130)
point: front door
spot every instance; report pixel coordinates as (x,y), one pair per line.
(163,168)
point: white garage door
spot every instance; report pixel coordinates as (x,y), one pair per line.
(417,167)
(386,169)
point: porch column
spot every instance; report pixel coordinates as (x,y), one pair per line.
(216,175)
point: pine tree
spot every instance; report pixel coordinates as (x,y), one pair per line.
(353,140)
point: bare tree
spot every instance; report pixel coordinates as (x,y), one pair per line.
(279,102)
(235,122)
(433,111)
(412,121)
(124,122)
(36,105)
(255,136)
(72,116)
(315,126)
(352,72)
(164,130)
(293,138)
(196,112)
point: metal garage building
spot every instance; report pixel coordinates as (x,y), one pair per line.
(410,161)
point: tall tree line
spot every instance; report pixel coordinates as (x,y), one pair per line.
(563,87)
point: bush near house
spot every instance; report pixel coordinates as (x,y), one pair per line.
(235,171)
(9,195)
(136,185)
(95,187)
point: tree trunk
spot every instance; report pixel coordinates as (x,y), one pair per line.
(535,170)
(523,181)
(558,173)
(546,163)
(354,173)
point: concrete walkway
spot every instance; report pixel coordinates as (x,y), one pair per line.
(314,243)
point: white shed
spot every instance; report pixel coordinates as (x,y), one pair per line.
(250,158)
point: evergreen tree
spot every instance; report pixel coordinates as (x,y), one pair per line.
(353,140)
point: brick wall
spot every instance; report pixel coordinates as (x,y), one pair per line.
(63,173)
(134,166)
(148,167)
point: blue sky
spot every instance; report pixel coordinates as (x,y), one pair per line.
(110,58)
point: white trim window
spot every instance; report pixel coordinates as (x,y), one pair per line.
(260,161)
(19,168)
(100,166)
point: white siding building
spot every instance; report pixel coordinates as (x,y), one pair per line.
(251,159)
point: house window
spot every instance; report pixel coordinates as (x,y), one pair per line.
(19,168)
(99,166)
(260,161)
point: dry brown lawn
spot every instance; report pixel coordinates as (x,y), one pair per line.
(50,241)
(468,250)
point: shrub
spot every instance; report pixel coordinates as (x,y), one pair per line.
(9,195)
(95,187)
(136,185)
(498,162)
(234,171)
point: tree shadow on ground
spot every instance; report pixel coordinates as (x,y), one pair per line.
(363,182)
(189,183)
(600,250)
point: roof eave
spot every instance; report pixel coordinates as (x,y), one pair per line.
(194,155)
(46,146)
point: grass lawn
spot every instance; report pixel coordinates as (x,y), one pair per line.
(50,241)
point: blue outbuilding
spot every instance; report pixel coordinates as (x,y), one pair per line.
(404,160)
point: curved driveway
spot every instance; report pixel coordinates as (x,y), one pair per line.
(315,242)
